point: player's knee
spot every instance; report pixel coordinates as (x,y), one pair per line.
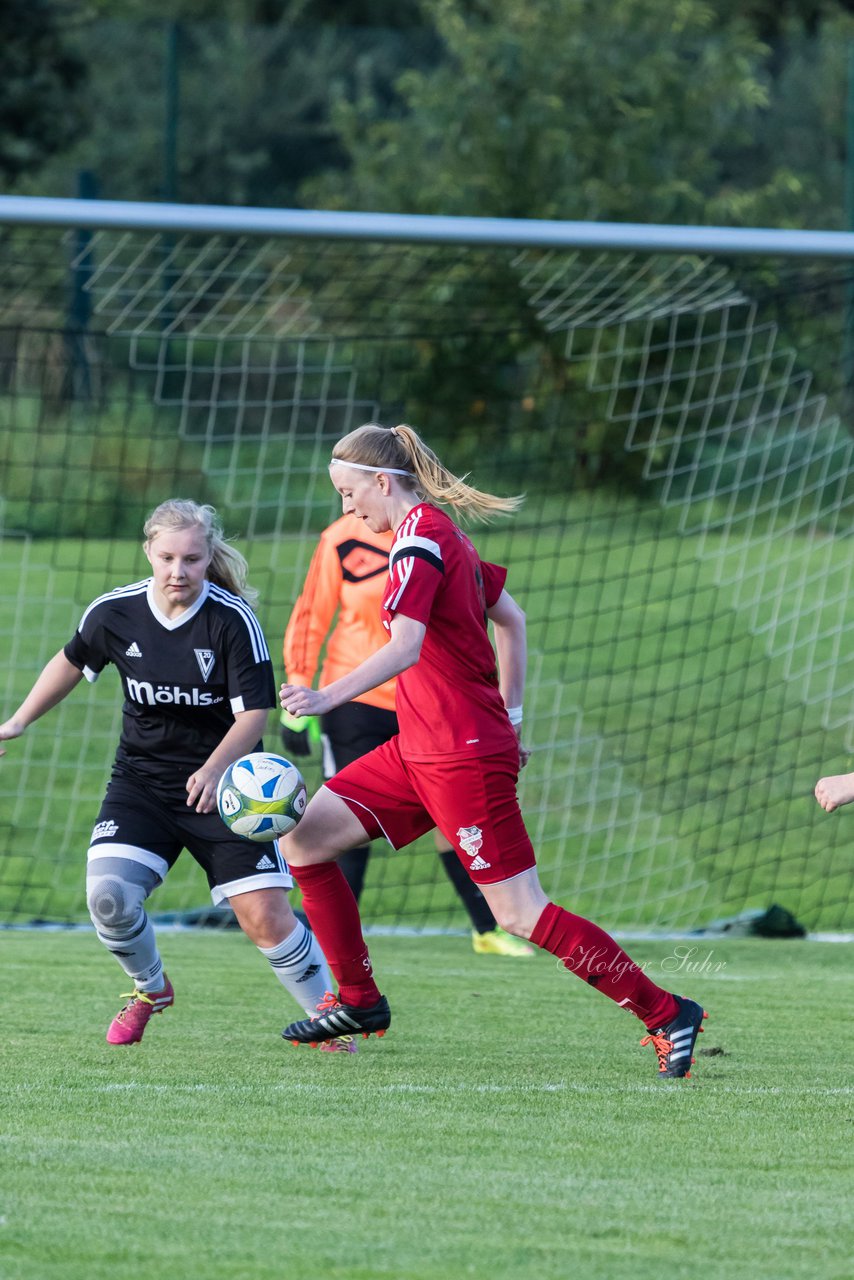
(301,849)
(516,920)
(114,903)
(265,916)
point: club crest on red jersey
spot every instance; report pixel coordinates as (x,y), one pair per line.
(471,842)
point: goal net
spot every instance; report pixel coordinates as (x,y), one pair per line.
(679,426)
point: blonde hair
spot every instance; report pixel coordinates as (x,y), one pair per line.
(228,568)
(402,449)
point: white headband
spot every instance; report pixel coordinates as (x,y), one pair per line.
(361,466)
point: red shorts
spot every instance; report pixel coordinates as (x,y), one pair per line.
(472,801)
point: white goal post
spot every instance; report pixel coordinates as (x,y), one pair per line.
(531,233)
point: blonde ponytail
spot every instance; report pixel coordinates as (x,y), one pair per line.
(403,452)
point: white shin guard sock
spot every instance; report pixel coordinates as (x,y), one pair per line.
(300,966)
(135,948)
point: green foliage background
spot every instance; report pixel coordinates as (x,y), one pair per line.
(702,111)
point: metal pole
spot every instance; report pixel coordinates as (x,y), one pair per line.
(848,330)
(172,96)
(172,103)
(80,307)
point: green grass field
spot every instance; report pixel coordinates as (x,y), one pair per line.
(509,1125)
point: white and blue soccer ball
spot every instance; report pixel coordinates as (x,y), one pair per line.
(261,796)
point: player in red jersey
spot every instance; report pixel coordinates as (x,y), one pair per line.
(455,761)
(346,582)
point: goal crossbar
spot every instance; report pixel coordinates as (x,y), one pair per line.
(322,224)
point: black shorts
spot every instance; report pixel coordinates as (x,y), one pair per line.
(351,731)
(143,825)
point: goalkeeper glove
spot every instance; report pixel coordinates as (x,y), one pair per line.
(296,735)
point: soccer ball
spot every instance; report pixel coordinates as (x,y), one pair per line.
(261,796)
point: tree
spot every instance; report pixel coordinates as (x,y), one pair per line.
(41,84)
(642,111)
(246,103)
(634,111)
(774,20)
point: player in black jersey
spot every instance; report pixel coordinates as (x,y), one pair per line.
(198,685)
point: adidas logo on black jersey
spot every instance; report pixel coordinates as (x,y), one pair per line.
(133,650)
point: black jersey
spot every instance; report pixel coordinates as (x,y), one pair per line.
(184,678)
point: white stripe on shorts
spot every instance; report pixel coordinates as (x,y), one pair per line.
(132,853)
(221,893)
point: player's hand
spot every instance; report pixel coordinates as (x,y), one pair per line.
(201,789)
(296,734)
(10,729)
(300,701)
(524,752)
(832,793)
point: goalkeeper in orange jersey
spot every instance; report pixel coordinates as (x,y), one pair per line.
(344,586)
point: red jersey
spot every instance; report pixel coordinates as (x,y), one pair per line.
(448,703)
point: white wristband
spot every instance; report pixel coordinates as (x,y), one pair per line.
(514,715)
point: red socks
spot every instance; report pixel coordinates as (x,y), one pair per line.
(334,918)
(592,954)
(583,948)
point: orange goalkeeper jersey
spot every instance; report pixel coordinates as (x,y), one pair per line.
(347,576)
